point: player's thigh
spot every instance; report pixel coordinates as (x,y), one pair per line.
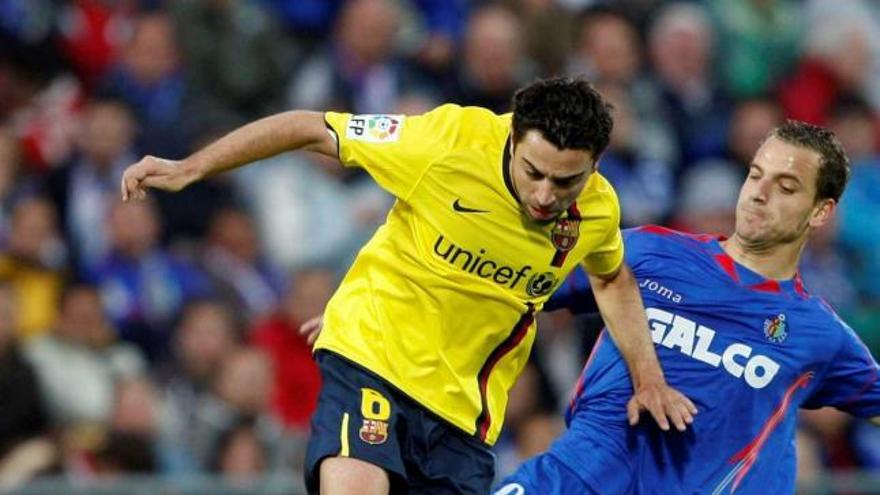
(356,418)
(443,460)
(543,475)
(347,476)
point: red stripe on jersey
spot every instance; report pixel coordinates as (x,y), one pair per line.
(516,335)
(749,454)
(561,254)
(579,387)
(559,258)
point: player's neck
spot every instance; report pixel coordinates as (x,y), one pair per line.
(775,262)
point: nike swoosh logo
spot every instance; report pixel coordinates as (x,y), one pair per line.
(456,205)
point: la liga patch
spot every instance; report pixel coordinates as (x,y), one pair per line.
(374,128)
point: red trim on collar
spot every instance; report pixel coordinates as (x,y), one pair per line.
(727,264)
(767,286)
(799,286)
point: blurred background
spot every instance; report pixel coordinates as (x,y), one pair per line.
(151,347)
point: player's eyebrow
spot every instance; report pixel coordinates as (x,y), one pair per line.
(563,178)
(780,175)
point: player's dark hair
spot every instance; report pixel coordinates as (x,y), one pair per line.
(833,162)
(568,112)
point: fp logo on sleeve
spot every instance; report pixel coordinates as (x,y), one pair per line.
(374,128)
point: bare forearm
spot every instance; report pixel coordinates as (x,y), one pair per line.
(620,304)
(258,140)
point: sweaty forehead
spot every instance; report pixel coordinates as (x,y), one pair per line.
(779,157)
(550,160)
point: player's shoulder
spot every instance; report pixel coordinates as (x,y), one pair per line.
(825,316)
(464,116)
(598,199)
(659,236)
(469,123)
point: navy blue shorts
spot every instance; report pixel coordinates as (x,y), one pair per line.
(362,416)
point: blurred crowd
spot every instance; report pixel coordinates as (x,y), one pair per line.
(160,336)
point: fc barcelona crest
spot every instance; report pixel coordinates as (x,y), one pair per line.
(565,233)
(374,432)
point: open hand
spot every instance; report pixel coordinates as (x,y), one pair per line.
(664,403)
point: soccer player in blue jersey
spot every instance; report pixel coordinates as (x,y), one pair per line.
(735,330)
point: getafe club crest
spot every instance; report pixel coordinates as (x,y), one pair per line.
(374,432)
(775,329)
(565,233)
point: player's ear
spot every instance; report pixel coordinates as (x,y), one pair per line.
(595,166)
(822,212)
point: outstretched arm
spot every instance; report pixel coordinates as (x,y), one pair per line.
(620,304)
(260,139)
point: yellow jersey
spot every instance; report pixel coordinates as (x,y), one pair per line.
(441,301)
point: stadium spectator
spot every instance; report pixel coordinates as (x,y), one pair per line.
(758,43)
(236,61)
(608,50)
(297,381)
(241,276)
(22,411)
(143,285)
(84,188)
(149,80)
(33,264)
(681,44)
(79,362)
(644,183)
(358,69)
(494,63)
(204,337)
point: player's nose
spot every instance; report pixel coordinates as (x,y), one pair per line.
(760,192)
(545,196)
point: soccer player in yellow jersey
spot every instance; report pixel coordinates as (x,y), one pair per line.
(435,318)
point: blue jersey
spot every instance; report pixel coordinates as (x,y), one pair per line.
(746,350)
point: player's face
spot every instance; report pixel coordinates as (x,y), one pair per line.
(777,203)
(547,179)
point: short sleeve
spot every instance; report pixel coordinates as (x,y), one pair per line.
(608,256)
(395,150)
(850,383)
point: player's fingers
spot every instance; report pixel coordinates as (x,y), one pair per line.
(677,419)
(686,415)
(123,190)
(659,414)
(685,411)
(126,185)
(131,185)
(632,411)
(310,326)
